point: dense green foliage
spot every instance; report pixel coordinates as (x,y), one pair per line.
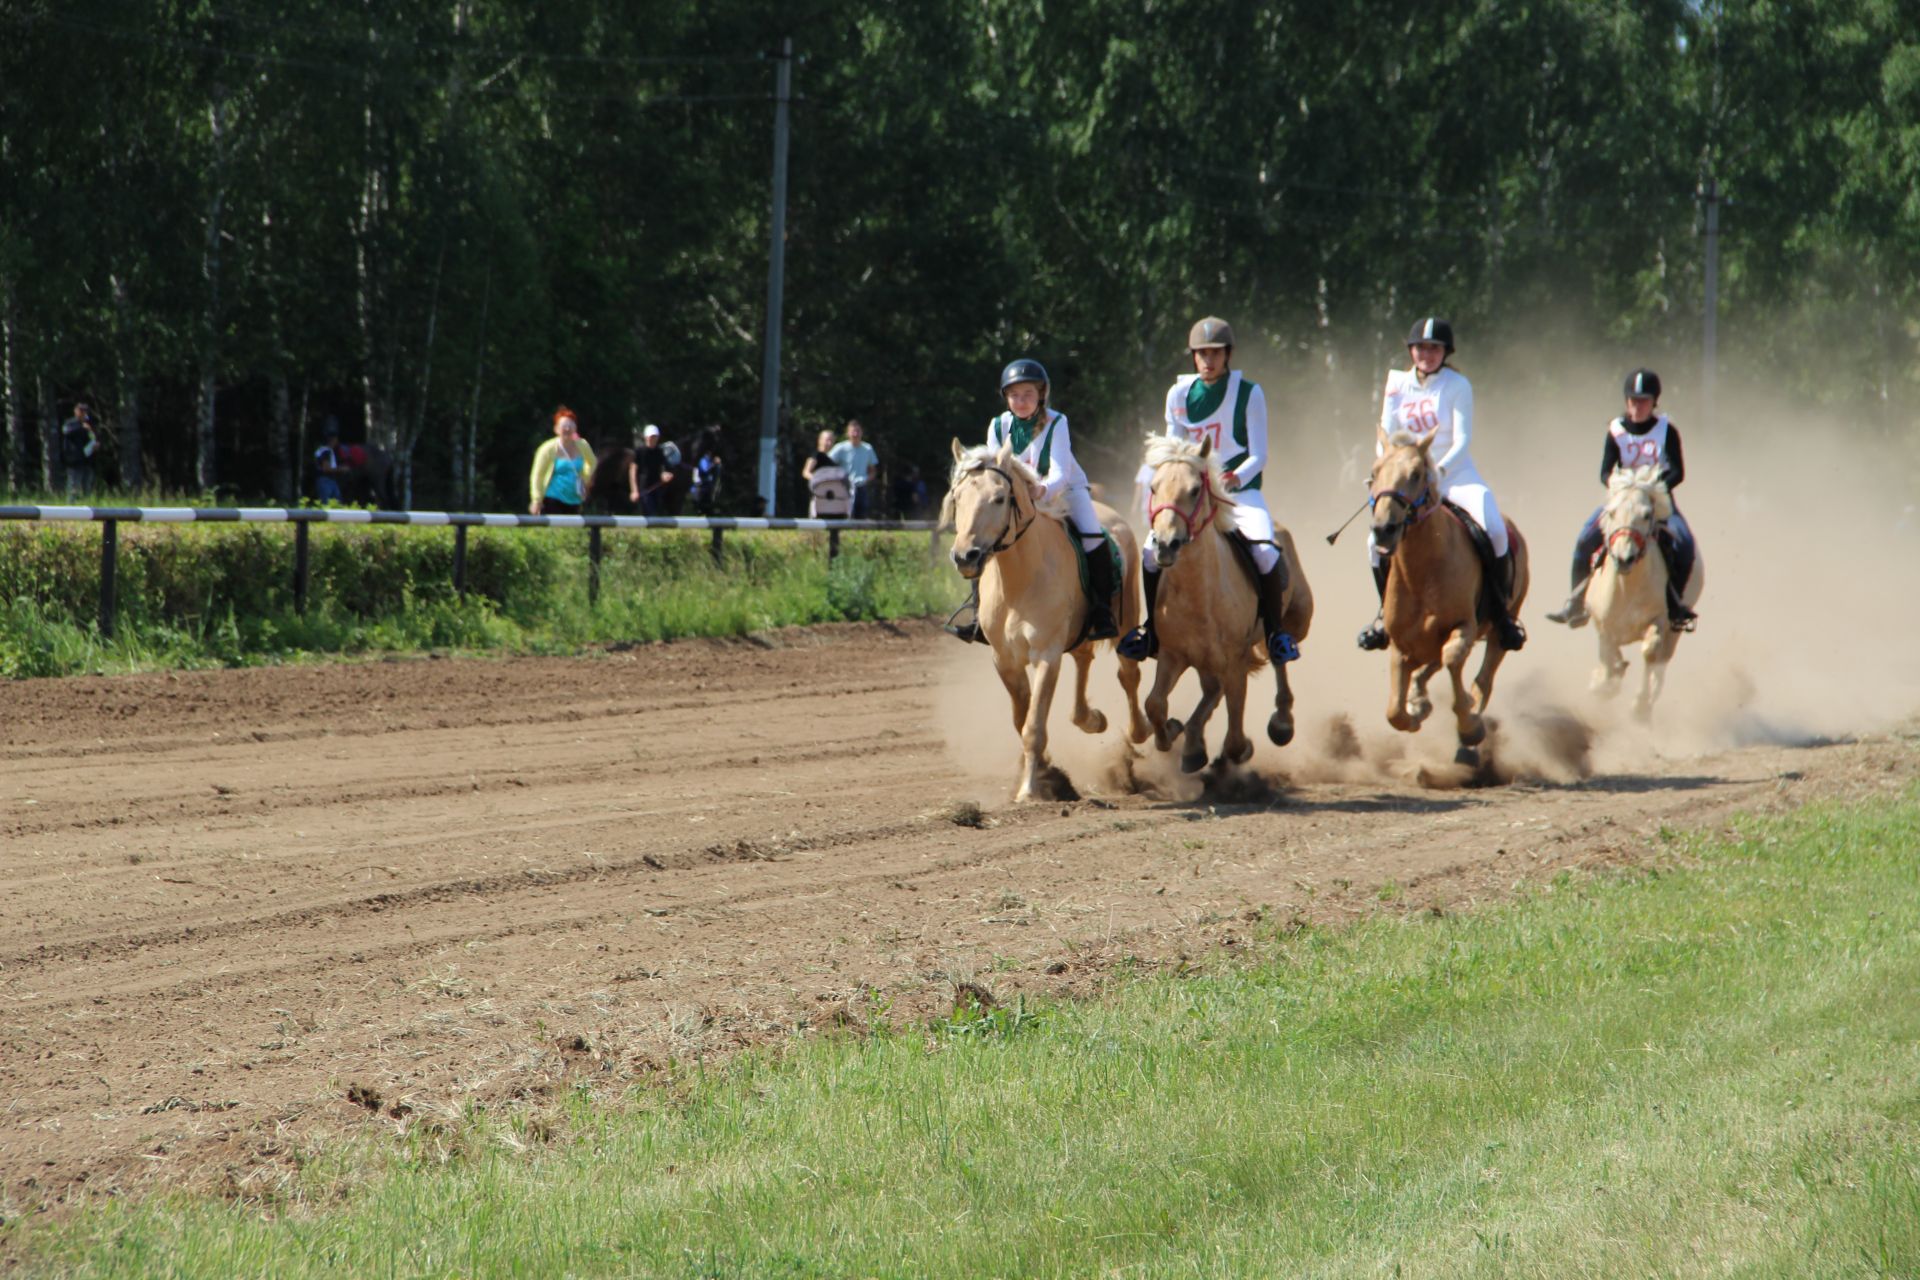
(439,218)
(222,594)
(1705,1070)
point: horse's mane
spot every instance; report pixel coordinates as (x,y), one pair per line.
(979,458)
(1649,477)
(1164,449)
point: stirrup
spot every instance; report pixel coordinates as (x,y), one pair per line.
(1513,636)
(1373,636)
(1282,648)
(1571,614)
(1100,624)
(1686,621)
(1139,644)
(967,632)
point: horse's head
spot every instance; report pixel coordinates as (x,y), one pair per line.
(1403,490)
(1187,494)
(1637,501)
(986,505)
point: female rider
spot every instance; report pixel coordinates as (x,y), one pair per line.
(1041,439)
(1641,437)
(1433,402)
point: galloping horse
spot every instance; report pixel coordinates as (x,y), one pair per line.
(1433,603)
(1032,608)
(1208,615)
(1627,595)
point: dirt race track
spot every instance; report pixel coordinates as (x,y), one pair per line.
(247,911)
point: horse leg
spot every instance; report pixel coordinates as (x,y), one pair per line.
(1088,719)
(1466,712)
(1655,653)
(1398,674)
(1014,677)
(1280,723)
(1606,676)
(1194,757)
(1238,748)
(1420,705)
(1137,726)
(1166,673)
(1033,735)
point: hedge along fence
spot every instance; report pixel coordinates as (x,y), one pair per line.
(226,586)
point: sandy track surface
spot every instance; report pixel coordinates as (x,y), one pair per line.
(249,910)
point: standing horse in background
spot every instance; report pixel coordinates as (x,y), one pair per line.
(1627,594)
(1208,615)
(1032,609)
(1436,606)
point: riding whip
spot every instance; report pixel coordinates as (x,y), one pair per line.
(1349,520)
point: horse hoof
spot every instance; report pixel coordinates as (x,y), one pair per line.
(1279,730)
(1096,722)
(1468,756)
(1193,763)
(1475,736)
(1239,755)
(1403,722)
(1174,729)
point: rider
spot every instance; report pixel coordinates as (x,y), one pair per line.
(1643,437)
(1041,439)
(1224,407)
(1433,401)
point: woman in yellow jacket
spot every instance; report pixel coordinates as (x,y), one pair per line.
(562,469)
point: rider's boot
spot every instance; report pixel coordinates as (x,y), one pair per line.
(1374,636)
(1101,588)
(1141,643)
(1272,585)
(1679,568)
(968,631)
(1574,612)
(1506,627)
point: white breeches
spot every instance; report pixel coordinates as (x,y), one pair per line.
(1251,519)
(1470,493)
(1080,513)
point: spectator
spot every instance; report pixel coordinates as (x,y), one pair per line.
(650,472)
(78,443)
(707,469)
(860,462)
(827,482)
(562,469)
(910,493)
(330,469)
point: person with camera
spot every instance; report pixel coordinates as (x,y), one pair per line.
(78,444)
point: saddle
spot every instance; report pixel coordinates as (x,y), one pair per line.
(1490,565)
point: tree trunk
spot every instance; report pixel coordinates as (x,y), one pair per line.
(280,439)
(205,471)
(10,388)
(127,370)
(463,480)
(52,474)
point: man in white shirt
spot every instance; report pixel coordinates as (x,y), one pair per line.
(857,458)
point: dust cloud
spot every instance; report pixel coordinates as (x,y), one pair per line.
(1808,534)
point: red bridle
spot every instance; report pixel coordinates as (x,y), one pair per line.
(1627,531)
(1193,530)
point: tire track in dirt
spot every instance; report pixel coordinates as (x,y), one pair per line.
(434,881)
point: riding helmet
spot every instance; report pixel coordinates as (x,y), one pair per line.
(1432,329)
(1210,331)
(1643,382)
(1024,370)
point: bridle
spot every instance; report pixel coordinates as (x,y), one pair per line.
(1003,542)
(1193,530)
(1638,538)
(1416,511)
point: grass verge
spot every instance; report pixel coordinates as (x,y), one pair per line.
(1712,1067)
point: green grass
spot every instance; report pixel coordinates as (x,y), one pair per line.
(1711,1069)
(222,595)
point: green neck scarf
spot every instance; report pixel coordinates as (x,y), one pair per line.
(1203,400)
(1020,430)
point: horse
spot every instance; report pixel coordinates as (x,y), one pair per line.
(1627,594)
(1032,609)
(1208,612)
(1434,594)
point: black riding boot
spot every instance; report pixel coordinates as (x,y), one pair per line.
(1141,643)
(1499,604)
(967,632)
(1272,586)
(1679,569)
(1374,635)
(1102,588)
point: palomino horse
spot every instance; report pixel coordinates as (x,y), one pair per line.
(1433,598)
(1627,595)
(1032,608)
(1208,612)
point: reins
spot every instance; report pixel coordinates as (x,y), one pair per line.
(1193,530)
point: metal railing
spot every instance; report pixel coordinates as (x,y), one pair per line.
(303,518)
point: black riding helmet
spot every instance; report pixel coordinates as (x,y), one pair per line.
(1432,329)
(1025,370)
(1643,382)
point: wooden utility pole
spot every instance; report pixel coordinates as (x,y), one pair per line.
(776,281)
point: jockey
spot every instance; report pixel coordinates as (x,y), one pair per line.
(1433,401)
(1041,439)
(1224,407)
(1642,437)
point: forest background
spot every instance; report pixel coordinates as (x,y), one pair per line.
(436,221)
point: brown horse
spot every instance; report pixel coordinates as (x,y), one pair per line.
(1032,608)
(1433,596)
(1627,594)
(1208,615)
